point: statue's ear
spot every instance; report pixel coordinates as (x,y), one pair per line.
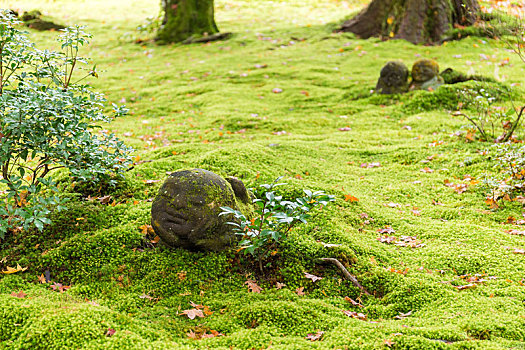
(240,190)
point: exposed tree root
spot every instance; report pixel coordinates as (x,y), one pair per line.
(345,272)
(208,38)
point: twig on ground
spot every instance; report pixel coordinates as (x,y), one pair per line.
(345,272)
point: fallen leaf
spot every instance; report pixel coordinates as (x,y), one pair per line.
(388,342)
(392,205)
(59,287)
(42,279)
(353,302)
(20,294)
(330,245)
(110,332)
(104,199)
(147,229)
(371,165)
(315,336)
(279,285)
(181,275)
(253,286)
(350,198)
(492,203)
(10,270)
(314,278)
(402,316)
(300,291)
(516,232)
(467,286)
(148,182)
(354,314)
(386,230)
(192,313)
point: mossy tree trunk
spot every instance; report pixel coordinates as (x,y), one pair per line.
(184,19)
(418,21)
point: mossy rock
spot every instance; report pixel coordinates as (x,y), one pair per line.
(451,76)
(43,25)
(31,15)
(425,75)
(393,78)
(185,213)
(33,19)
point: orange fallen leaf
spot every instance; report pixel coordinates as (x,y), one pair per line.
(350,198)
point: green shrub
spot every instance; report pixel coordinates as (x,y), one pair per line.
(47,122)
(275,217)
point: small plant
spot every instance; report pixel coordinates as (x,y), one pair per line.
(510,181)
(47,122)
(274,219)
(494,123)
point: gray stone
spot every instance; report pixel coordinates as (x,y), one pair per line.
(393,78)
(185,213)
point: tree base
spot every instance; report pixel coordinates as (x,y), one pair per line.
(186,19)
(417,21)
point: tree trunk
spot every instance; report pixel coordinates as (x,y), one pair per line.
(418,21)
(186,19)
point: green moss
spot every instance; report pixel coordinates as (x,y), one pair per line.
(193,107)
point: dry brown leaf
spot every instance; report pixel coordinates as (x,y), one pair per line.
(315,336)
(354,314)
(20,294)
(353,302)
(253,286)
(314,278)
(402,316)
(192,313)
(279,285)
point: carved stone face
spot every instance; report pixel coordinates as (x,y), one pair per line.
(424,70)
(393,78)
(394,74)
(186,211)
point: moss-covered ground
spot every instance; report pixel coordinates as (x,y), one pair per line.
(211,106)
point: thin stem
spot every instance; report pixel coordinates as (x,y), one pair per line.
(515,125)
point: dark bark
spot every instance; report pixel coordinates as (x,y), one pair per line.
(418,21)
(186,19)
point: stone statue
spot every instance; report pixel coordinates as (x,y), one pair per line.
(185,213)
(393,78)
(425,75)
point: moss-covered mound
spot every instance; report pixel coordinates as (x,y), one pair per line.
(287,97)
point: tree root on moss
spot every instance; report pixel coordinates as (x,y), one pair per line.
(208,38)
(345,272)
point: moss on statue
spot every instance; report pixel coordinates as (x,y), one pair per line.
(185,213)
